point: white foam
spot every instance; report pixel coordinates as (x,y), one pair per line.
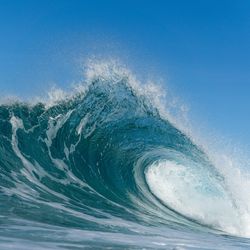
(184,190)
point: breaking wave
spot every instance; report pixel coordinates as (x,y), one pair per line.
(106,159)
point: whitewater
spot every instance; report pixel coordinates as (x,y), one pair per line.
(108,167)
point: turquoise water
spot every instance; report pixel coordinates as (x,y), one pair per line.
(103,168)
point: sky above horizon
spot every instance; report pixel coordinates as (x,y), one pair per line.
(200,49)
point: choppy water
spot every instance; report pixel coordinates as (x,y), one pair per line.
(104,168)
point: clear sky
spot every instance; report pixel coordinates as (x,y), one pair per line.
(201,48)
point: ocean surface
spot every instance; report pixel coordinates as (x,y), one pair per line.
(106,168)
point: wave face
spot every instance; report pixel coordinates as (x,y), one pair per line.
(104,168)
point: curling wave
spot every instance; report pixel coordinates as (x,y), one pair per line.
(106,160)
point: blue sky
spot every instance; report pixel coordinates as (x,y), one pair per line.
(201,48)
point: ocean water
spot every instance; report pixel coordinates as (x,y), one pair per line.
(107,168)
